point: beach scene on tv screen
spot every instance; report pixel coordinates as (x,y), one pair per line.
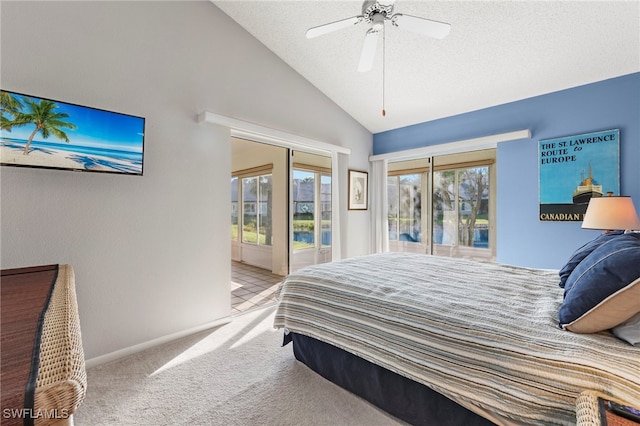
(39,132)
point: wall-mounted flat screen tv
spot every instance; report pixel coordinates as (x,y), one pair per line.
(39,132)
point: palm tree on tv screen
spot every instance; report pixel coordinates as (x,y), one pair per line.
(47,121)
(10,105)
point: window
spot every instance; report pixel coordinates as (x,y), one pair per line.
(303,209)
(311,209)
(256,215)
(234,208)
(251,206)
(325,210)
(405,207)
(461,207)
(448,212)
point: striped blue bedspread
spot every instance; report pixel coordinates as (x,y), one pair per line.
(482,334)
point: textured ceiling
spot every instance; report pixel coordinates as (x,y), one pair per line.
(496,52)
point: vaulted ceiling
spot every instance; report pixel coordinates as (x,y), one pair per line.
(495,53)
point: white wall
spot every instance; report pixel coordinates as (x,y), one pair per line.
(151,253)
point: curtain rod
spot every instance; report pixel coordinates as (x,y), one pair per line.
(475,144)
(246,130)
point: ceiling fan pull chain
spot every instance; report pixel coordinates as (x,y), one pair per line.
(384,50)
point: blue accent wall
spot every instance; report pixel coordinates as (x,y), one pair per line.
(522,239)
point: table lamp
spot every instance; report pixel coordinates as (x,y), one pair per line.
(611,213)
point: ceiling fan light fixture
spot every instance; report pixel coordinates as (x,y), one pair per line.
(377,21)
(371,9)
(375,13)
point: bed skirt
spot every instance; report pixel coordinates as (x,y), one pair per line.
(399,396)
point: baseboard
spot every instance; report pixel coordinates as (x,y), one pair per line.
(102,359)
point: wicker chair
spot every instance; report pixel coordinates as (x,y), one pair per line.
(62,380)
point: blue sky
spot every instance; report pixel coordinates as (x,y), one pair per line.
(94,127)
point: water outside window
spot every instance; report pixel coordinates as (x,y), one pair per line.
(325,209)
(311,217)
(311,210)
(303,209)
(450,219)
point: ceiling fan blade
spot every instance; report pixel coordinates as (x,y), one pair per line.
(422,26)
(368,50)
(332,26)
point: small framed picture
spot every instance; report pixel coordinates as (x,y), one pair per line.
(358,190)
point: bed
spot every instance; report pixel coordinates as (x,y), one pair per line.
(447,341)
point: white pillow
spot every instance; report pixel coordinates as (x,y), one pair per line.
(629,330)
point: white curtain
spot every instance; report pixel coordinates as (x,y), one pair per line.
(339,166)
(378,203)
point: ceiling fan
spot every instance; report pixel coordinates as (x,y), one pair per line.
(376,13)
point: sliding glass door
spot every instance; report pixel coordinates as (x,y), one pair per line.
(448,211)
(310,210)
(259,188)
(461,218)
(408,212)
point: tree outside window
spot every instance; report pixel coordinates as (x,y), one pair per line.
(455,212)
(461,207)
(404,194)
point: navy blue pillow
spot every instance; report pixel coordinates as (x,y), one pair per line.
(606,270)
(583,252)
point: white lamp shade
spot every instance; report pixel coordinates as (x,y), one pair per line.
(611,213)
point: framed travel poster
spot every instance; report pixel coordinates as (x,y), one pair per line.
(574,169)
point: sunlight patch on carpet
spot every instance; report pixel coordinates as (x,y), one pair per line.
(256,331)
(228,336)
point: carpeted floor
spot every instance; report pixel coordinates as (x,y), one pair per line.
(236,374)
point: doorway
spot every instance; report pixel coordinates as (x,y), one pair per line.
(280,218)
